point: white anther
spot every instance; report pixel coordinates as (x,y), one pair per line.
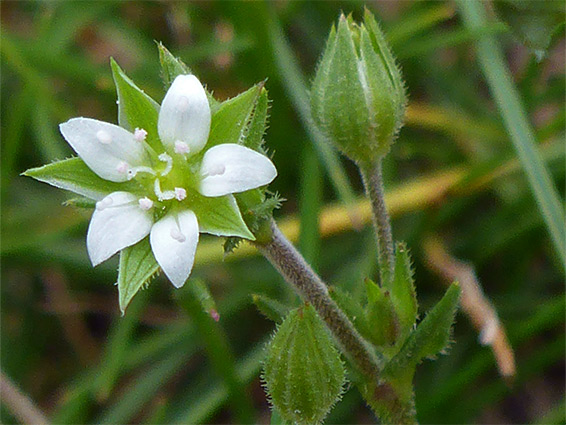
(140,134)
(145,203)
(104,203)
(216,170)
(180,193)
(166,158)
(183,104)
(123,167)
(181,147)
(177,235)
(103,137)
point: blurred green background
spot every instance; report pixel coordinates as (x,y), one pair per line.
(63,340)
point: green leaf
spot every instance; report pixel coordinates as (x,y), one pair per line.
(352,309)
(270,308)
(432,335)
(533,21)
(171,67)
(303,372)
(137,268)
(230,122)
(219,216)
(135,108)
(382,320)
(73,174)
(402,289)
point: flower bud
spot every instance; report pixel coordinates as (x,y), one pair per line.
(358,97)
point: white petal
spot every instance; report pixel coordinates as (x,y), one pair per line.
(231,168)
(174,241)
(117,222)
(109,150)
(185,114)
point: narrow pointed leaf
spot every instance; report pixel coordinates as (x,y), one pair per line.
(431,336)
(352,309)
(137,268)
(402,289)
(270,308)
(382,319)
(253,135)
(73,174)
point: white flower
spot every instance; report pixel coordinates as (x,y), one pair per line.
(169,180)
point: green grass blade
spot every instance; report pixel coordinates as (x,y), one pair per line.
(310,204)
(515,118)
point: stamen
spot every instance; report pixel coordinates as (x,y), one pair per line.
(145,203)
(140,134)
(177,235)
(181,147)
(166,158)
(143,169)
(162,196)
(183,104)
(103,137)
(104,203)
(180,193)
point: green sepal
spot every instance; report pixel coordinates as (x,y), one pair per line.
(382,319)
(135,108)
(171,67)
(253,135)
(219,216)
(136,270)
(402,289)
(303,372)
(230,122)
(73,174)
(534,22)
(272,309)
(431,336)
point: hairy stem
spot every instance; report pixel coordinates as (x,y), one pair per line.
(373,183)
(381,396)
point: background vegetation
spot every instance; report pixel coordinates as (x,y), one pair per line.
(453,175)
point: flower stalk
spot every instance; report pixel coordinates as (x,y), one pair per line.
(373,183)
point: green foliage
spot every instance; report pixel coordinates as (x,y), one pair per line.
(402,289)
(431,336)
(382,319)
(303,372)
(73,175)
(137,268)
(272,309)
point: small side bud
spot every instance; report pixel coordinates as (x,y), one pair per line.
(358,98)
